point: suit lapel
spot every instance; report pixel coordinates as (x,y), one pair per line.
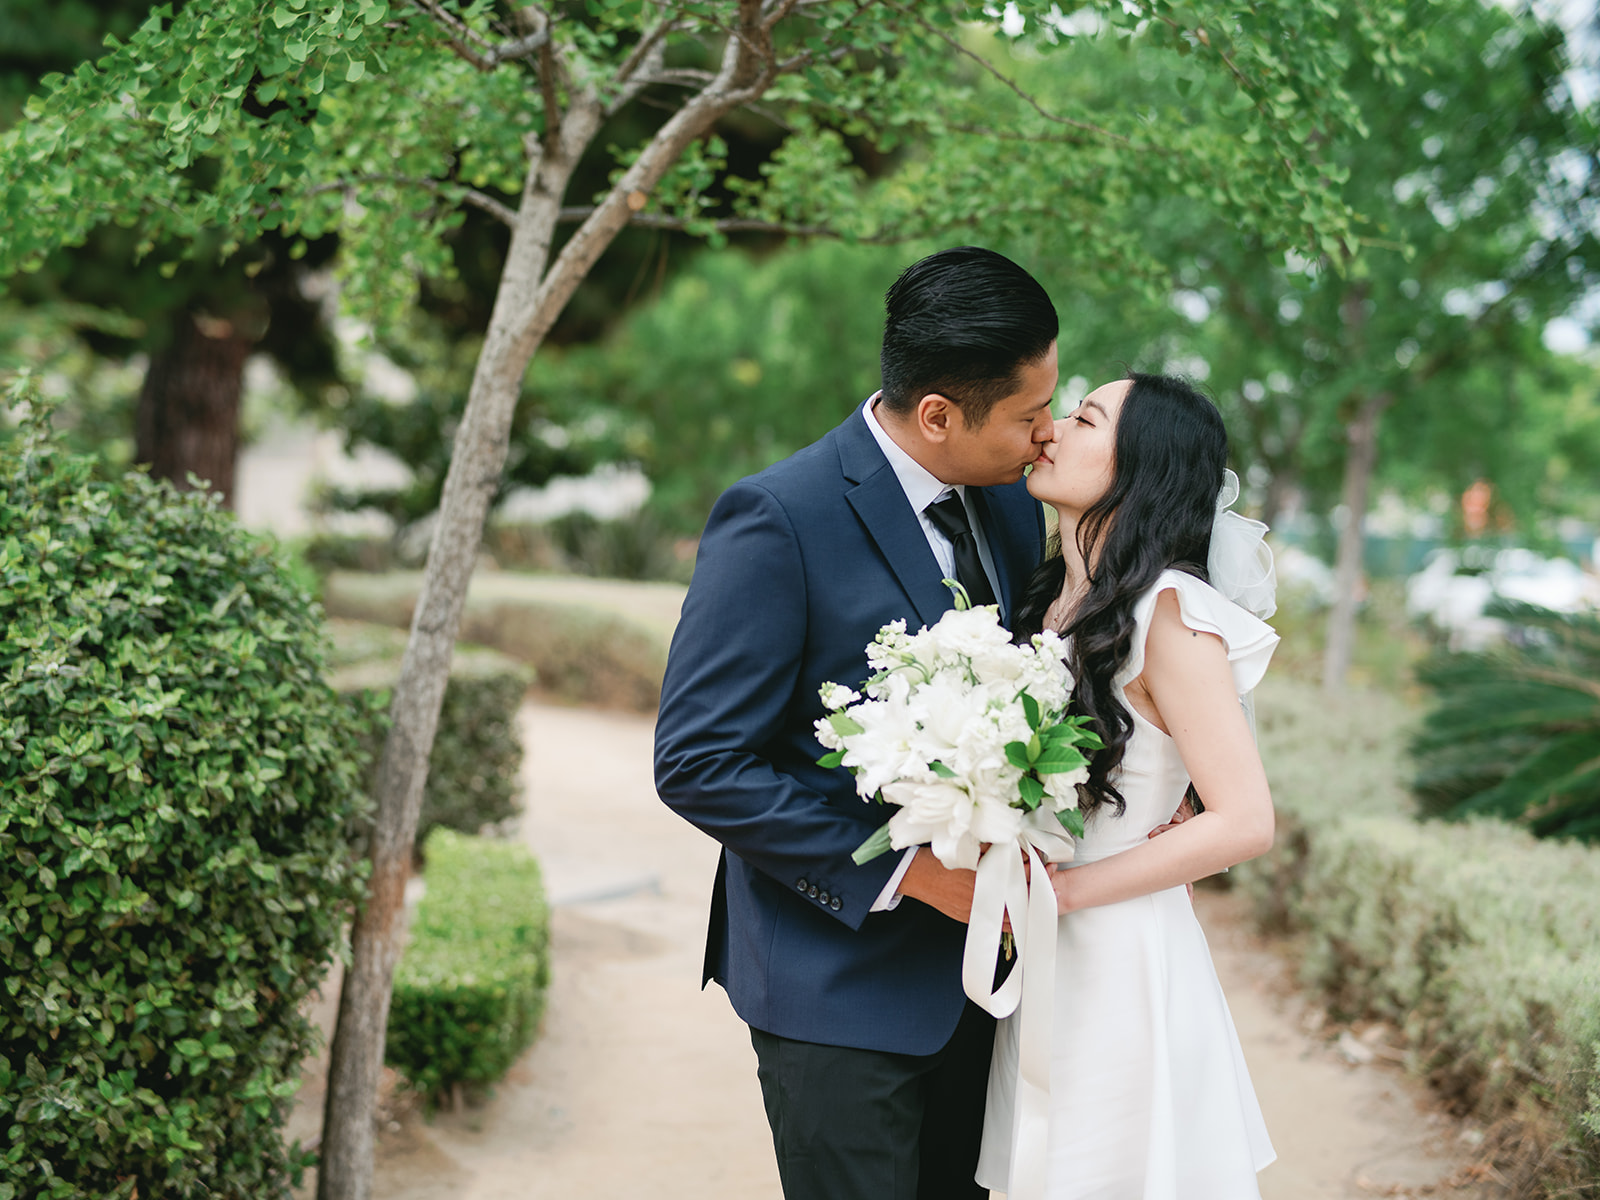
(880,502)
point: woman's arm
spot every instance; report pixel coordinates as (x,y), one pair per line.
(1187,678)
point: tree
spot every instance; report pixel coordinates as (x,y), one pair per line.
(1419,345)
(196,319)
(382,122)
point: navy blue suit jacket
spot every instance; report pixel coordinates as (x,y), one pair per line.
(798,568)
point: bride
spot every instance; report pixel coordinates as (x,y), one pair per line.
(1150,1098)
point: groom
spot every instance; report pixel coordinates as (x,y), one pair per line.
(872,1061)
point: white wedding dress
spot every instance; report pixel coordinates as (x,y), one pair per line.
(1149,1095)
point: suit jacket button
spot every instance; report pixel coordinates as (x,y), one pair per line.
(812,891)
(835,904)
(800,884)
(823,898)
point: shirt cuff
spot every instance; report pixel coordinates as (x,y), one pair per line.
(889,898)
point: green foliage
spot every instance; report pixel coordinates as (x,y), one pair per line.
(1479,942)
(473,767)
(1477,233)
(737,366)
(470,985)
(583,646)
(636,547)
(257,118)
(1515,730)
(556,428)
(176,787)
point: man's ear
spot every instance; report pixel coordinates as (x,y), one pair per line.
(937,417)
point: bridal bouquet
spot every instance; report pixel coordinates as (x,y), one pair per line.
(966,734)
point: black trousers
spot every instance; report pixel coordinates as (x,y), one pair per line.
(853,1124)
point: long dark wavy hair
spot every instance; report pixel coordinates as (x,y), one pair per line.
(1171,450)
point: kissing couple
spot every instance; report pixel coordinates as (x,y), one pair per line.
(881,1079)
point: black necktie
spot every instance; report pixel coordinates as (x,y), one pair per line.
(949,517)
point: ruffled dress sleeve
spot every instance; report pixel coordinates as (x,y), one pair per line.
(1250,641)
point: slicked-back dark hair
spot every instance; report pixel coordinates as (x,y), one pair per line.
(963,323)
(1171,450)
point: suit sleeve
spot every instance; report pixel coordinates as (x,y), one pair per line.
(731,675)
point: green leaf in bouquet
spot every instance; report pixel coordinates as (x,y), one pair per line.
(1032,792)
(1035,746)
(1071,820)
(1030,706)
(942,771)
(843,724)
(1059,763)
(1082,734)
(831,760)
(875,845)
(1017,755)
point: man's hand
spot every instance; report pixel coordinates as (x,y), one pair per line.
(1185,811)
(929,881)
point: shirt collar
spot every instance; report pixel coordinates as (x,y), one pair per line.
(920,485)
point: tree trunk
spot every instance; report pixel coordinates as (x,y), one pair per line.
(1280,484)
(527,302)
(188,414)
(1359,462)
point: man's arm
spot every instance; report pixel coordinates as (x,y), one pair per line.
(731,676)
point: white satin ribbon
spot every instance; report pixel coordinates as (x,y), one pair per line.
(1002,889)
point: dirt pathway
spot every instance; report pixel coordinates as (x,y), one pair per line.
(643,1085)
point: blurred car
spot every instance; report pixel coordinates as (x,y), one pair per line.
(1453,589)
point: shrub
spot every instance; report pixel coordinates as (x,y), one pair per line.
(470,986)
(1515,731)
(1481,943)
(325,553)
(636,547)
(590,642)
(176,781)
(473,769)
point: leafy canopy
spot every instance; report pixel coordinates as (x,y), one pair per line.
(380,120)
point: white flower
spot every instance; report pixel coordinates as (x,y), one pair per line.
(930,737)
(836,696)
(1062,788)
(938,814)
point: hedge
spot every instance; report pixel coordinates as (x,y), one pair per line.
(473,771)
(589,641)
(1481,943)
(177,784)
(470,986)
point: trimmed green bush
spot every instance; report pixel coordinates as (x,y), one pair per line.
(473,770)
(471,982)
(176,787)
(1481,943)
(591,642)
(1515,731)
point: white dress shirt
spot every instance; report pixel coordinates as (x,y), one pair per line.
(922,489)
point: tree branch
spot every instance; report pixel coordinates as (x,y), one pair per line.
(471,46)
(469,196)
(645,220)
(776,11)
(549,96)
(1009,83)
